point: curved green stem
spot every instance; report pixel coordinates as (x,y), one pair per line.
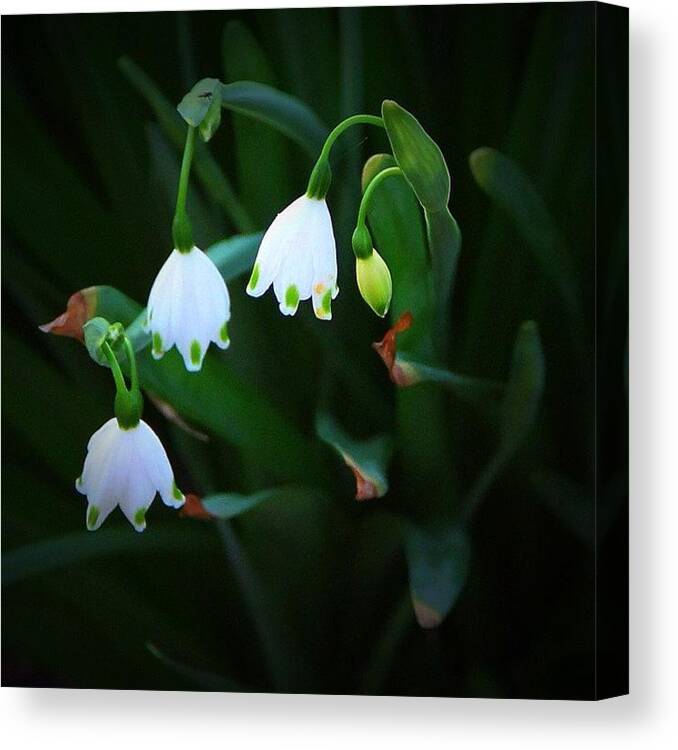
(134,377)
(344,125)
(182,231)
(321,176)
(120,385)
(369,190)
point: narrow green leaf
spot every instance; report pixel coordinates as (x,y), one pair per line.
(478,391)
(262,191)
(437,560)
(201,678)
(368,459)
(518,410)
(444,241)
(511,189)
(228,505)
(418,156)
(286,113)
(524,388)
(78,547)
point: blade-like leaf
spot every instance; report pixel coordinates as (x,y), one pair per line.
(510,188)
(282,111)
(519,408)
(200,677)
(262,191)
(437,560)
(228,505)
(59,552)
(368,460)
(444,242)
(418,156)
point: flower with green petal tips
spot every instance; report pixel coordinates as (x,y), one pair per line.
(188,307)
(298,255)
(126,467)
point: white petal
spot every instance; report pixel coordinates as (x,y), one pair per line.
(140,491)
(324,263)
(273,248)
(189,306)
(102,475)
(151,451)
(159,312)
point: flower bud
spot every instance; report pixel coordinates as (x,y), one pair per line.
(374,282)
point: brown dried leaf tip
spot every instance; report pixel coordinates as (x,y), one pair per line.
(80,308)
(364,488)
(193,508)
(400,373)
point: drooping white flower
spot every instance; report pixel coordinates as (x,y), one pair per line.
(188,307)
(126,467)
(298,255)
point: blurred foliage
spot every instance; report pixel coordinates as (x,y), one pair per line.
(488,464)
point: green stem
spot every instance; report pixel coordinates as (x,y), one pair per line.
(181,226)
(321,176)
(134,377)
(344,125)
(185,169)
(369,190)
(118,377)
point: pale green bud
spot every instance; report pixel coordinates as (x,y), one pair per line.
(374,282)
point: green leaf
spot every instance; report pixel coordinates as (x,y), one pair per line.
(524,388)
(512,190)
(437,560)
(477,391)
(398,232)
(262,191)
(444,241)
(286,113)
(519,409)
(198,102)
(201,678)
(367,459)
(228,505)
(78,547)
(418,156)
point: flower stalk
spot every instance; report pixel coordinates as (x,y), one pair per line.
(182,231)
(321,176)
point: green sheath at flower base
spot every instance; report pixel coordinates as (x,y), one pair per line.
(129,403)
(374,282)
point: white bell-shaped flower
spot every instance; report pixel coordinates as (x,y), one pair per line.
(188,307)
(298,255)
(126,467)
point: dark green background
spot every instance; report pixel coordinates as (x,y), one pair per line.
(87,200)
